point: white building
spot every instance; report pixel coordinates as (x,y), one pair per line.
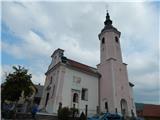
(75,84)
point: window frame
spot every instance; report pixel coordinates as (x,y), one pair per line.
(103,40)
(116,39)
(84,94)
(75,98)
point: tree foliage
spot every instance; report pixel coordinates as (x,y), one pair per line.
(64,113)
(17,82)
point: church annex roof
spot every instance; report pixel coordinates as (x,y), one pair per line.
(75,65)
(147,110)
(82,67)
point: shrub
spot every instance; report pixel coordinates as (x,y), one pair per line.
(64,113)
(74,111)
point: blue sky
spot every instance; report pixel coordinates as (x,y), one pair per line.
(31,31)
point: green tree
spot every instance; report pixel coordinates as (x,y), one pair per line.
(17,82)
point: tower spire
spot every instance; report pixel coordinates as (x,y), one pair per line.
(108,24)
(107,21)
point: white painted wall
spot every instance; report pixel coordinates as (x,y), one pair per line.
(114,84)
(133,107)
(51,105)
(87,81)
(63,79)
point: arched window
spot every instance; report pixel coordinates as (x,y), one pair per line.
(103,40)
(124,107)
(84,94)
(106,106)
(75,97)
(116,39)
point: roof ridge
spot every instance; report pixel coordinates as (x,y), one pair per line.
(82,64)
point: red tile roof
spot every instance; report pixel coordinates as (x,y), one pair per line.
(151,110)
(82,67)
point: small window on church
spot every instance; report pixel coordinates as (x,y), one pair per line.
(75,97)
(116,39)
(106,106)
(103,40)
(84,94)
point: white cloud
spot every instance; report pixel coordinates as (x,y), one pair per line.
(12,49)
(32,46)
(35,44)
(4,72)
(74,51)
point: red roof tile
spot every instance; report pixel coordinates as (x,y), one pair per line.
(82,67)
(151,110)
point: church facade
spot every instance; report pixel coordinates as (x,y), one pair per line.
(105,88)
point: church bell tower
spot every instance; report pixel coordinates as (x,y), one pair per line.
(115,89)
(109,41)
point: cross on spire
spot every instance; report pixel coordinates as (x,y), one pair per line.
(107,11)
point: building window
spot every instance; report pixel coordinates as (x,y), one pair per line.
(106,106)
(75,97)
(116,39)
(103,40)
(84,94)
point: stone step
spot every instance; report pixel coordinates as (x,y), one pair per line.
(28,116)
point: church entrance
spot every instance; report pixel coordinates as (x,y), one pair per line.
(124,107)
(75,98)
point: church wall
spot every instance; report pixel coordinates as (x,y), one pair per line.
(123,90)
(106,86)
(42,102)
(132,101)
(110,49)
(111,90)
(114,86)
(51,87)
(64,80)
(122,85)
(74,82)
(45,91)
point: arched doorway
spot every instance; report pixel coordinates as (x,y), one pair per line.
(75,98)
(124,107)
(106,106)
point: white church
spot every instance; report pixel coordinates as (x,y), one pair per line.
(75,84)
